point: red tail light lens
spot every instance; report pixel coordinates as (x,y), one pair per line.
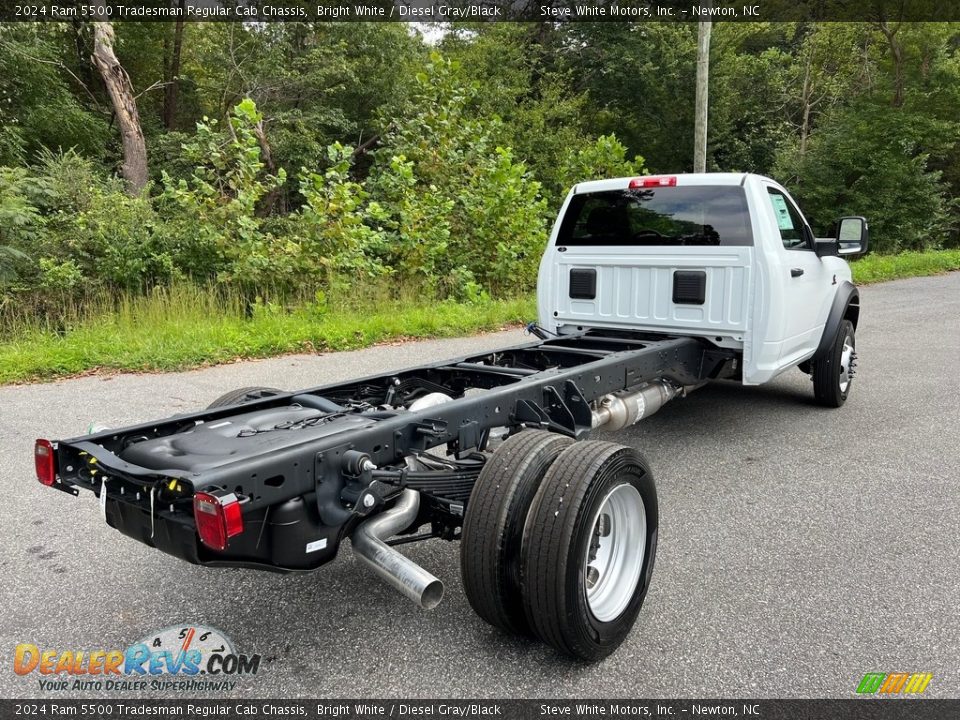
(218,518)
(654,181)
(45,460)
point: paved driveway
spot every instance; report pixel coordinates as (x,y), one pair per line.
(799,547)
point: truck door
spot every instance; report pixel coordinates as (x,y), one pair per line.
(803,278)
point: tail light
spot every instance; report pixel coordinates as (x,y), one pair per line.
(218,518)
(653,181)
(45,460)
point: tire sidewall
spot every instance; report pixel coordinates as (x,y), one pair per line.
(510,481)
(606,636)
(845,331)
(516,512)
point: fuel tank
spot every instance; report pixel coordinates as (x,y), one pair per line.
(247,434)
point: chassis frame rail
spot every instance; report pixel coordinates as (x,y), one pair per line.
(548,384)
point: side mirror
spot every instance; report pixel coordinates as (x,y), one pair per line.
(826,247)
(853,235)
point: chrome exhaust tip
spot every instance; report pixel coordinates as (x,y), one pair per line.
(398,571)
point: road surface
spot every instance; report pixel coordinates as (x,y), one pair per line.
(799,547)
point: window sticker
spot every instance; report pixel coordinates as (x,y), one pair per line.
(781,211)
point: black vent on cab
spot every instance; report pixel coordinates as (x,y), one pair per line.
(583,284)
(689,287)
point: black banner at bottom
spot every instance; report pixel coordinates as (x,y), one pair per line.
(854,708)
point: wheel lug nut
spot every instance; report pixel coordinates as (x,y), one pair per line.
(592,576)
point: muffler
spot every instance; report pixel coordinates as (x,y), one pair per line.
(618,410)
(400,572)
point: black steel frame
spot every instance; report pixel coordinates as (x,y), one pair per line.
(547,384)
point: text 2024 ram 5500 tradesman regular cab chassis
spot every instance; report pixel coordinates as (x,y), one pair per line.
(649,287)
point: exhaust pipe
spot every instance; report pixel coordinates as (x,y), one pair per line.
(395,569)
(617,411)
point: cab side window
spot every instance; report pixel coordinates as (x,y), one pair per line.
(788,220)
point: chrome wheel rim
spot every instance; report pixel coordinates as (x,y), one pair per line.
(618,541)
(846,357)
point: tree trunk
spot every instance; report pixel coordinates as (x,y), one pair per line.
(120,89)
(897,73)
(806,100)
(83,67)
(271,199)
(896,52)
(172,71)
(703,76)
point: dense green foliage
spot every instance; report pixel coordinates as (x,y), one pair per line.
(301,162)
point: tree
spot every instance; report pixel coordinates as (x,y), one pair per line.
(635,76)
(749,68)
(860,163)
(315,84)
(827,63)
(172,72)
(216,207)
(120,89)
(461,211)
(45,100)
(541,113)
(890,31)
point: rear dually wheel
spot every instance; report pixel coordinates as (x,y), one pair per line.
(589,547)
(494,522)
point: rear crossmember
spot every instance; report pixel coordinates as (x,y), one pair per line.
(311,494)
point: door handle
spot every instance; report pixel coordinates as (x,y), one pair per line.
(796,272)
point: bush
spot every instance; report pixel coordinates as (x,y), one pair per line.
(606,157)
(217,205)
(91,226)
(867,162)
(459,211)
(335,236)
(445,206)
(20,220)
(74,228)
(118,244)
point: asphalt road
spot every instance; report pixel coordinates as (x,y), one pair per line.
(799,547)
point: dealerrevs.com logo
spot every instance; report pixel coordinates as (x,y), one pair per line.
(187,657)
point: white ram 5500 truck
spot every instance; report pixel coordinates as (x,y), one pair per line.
(727,257)
(649,288)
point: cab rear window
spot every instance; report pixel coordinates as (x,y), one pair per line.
(667,216)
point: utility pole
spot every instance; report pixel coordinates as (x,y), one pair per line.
(703,75)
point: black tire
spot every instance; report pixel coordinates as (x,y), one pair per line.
(829,370)
(560,532)
(493,526)
(241,396)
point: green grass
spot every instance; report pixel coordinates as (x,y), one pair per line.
(877,268)
(186,326)
(189,327)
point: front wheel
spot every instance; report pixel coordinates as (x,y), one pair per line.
(833,371)
(589,546)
